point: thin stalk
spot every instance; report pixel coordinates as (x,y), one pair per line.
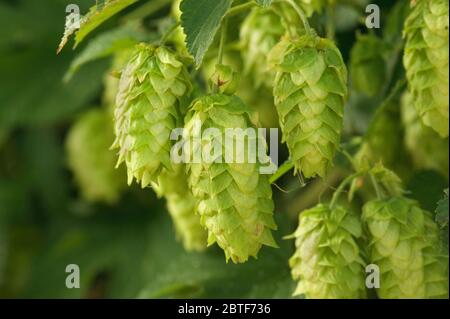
(223,38)
(376,186)
(330,22)
(286,167)
(240,8)
(341,187)
(301,15)
(168,33)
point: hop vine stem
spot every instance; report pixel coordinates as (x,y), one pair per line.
(341,187)
(168,33)
(301,14)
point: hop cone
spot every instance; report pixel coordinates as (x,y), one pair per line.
(404,243)
(427,149)
(327,262)
(181,205)
(147,109)
(310,90)
(91,160)
(234,199)
(260,32)
(368,71)
(426,62)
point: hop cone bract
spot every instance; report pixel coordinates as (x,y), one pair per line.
(427,149)
(147,109)
(404,243)
(327,261)
(181,205)
(426,62)
(91,160)
(234,198)
(310,91)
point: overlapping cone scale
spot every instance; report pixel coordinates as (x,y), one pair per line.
(310,91)
(328,262)
(404,244)
(234,198)
(151,89)
(426,62)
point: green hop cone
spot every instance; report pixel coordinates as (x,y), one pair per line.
(367,64)
(310,91)
(260,32)
(328,262)
(427,149)
(426,62)
(90,159)
(181,205)
(404,244)
(234,198)
(151,91)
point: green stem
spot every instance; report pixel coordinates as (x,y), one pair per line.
(169,32)
(240,8)
(223,37)
(341,187)
(376,186)
(283,169)
(330,22)
(302,16)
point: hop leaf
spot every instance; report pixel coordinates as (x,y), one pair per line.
(147,109)
(426,148)
(260,32)
(327,261)
(181,205)
(310,90)
(234,199)
(91,160)
(426,62)
(368,67)
(404,243)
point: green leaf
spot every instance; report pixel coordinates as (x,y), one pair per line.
(442,210)
(264,3)
(94,18)
(200,20)
(106,44)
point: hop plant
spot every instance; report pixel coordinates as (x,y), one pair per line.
(90,159)
(367,64)
(181,205)
(151,91)
(260,32)
(427,149)
(312,6)
(111,79)
(310,91)
(404,243)
(328,262)
(234,199)
(426,62)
